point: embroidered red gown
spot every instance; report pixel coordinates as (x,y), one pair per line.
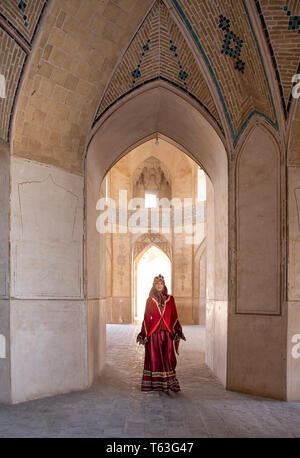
(160,333)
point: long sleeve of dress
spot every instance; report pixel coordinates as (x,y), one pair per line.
(178,334)
(142,337)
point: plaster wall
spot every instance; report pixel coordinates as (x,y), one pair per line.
(48,319)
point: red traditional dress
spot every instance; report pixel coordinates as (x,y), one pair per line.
(160,333)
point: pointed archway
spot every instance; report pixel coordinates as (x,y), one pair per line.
(159,107)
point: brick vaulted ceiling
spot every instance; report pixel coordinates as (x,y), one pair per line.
(59,58)
(158,50)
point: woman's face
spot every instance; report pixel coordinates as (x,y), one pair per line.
(159,286)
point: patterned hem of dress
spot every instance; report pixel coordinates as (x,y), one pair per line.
(165,390)
(151,385)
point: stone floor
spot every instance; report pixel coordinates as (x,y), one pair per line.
(115,406)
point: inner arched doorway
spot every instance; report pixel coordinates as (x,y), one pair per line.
(151,262)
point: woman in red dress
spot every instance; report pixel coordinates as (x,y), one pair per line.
(160,333)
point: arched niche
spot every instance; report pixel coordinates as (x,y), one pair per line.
(257,319)
(159,108)
(258,225)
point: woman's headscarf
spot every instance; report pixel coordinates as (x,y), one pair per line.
(153,290)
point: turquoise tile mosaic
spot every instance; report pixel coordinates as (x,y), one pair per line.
(136,73)
(294,21)
(22,6)
(231,39)
(182,75)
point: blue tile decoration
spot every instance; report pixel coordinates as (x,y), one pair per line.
(136,73)
(224,23)
(240,65)
(22,6)
(182,74)
(229,39)
(294,21)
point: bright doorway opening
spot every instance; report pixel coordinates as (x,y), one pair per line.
(149,264)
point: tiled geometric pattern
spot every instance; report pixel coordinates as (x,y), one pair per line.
(136,73)
(283,42)
(158,50)
(16,36)
(242,93)
(182,74)
(22,5)
(231,39)
(294,22)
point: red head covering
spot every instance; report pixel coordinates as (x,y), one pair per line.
(153,290)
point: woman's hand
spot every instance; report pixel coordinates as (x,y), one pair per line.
(179,336)
(141,340)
